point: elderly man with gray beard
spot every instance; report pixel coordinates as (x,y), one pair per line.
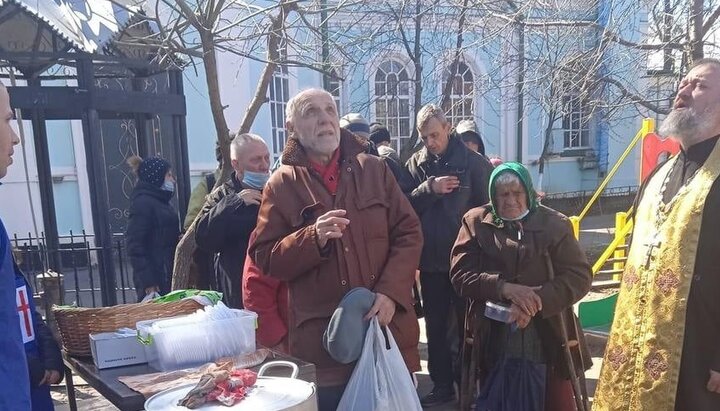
(663,351)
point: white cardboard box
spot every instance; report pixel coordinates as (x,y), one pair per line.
(116,350)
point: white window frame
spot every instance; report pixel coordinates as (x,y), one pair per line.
(384,104)
(458,109)
(575,120)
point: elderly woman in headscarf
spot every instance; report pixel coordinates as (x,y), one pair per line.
(522,255)
(153,226)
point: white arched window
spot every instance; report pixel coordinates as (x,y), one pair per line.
(462,93)
(392,101)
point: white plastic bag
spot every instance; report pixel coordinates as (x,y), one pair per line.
(149,297)
(380,381)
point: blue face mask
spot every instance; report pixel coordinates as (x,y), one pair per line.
(255,180)
(168,186)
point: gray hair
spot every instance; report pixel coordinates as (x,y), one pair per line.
(707,61)
(428,112)
(507,178)
(296,105)
(239,142)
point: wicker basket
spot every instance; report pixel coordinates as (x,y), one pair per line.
(76,324)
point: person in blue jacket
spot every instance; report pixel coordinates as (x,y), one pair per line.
(15,386)
(43,354)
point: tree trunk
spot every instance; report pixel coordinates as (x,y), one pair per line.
(547,146)
(696,34)
(447,88)
(186,273)
(407,150)
(273,57)
(216,107)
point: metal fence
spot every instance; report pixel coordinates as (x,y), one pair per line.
(77,260)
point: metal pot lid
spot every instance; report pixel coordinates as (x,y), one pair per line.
(268,394)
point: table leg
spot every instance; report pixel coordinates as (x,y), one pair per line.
(70,386)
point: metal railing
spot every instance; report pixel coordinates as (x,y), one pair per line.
(77,258)
(615,252)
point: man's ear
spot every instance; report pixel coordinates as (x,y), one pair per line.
(289,127)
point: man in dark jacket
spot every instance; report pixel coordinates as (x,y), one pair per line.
(230,214)
(448,180)
(380,136)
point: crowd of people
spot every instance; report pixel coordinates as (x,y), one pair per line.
(498,271)
(340,211)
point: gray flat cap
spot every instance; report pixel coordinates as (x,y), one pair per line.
(345,334)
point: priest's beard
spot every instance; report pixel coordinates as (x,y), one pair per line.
(687,125)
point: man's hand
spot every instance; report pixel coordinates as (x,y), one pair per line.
(250,196)
(713,384)
(518,316)
(384,308)
(523,296)
(330,225)
(445,184)
(51,377)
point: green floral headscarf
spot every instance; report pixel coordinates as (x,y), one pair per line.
(524,176)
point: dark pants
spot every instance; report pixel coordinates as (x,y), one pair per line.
(329,397)
(443,307)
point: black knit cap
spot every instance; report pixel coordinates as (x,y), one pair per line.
(152,170)
(379,133)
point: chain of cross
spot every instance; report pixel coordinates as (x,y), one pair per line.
(651,246)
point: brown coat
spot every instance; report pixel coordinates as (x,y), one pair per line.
(486,254)
(379,250)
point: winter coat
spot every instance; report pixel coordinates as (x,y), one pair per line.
(487,252)
(224,229)
(152,234)
(41,349)
(268,297)
(393,161)
(379,249)
(15,387)
(198,196)
(440,214)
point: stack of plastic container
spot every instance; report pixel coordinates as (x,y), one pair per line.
(195,339)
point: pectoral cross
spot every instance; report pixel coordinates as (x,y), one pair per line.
(651,246)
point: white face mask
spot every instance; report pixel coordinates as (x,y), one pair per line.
(520,217)
(168,185)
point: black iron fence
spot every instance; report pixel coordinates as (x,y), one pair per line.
(76,259)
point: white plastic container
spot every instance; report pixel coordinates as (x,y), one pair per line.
(192,340)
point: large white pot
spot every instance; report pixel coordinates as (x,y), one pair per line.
(268,394)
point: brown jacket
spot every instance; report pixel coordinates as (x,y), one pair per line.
(487,253)
(379,250)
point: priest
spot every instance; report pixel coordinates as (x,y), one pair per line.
(664,348)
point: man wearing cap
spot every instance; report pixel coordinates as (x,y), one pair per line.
(332,219)
(468,133)
(380,136)
(356,124)
(449,179)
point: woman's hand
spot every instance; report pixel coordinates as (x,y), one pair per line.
(523,296)
(518,316)
(153,289)
(51,377)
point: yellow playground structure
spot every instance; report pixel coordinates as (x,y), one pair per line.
(596,314)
